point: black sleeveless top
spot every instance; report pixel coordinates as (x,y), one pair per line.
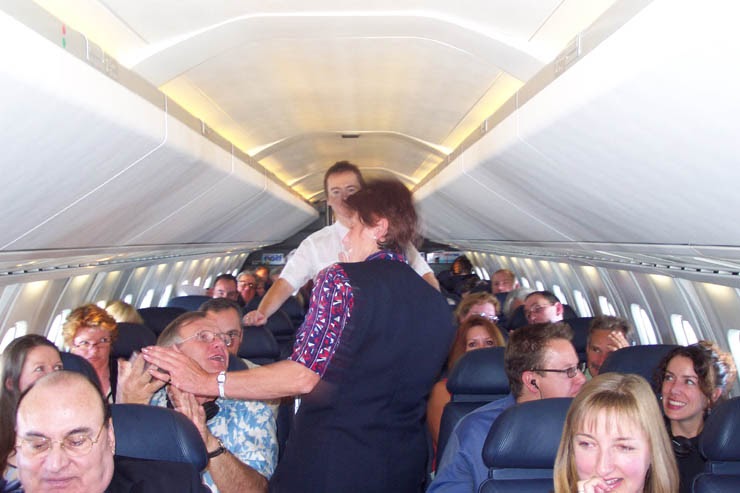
(362,427)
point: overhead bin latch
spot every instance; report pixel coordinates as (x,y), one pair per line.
(568,56)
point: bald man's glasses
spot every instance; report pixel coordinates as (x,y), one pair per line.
(76,444)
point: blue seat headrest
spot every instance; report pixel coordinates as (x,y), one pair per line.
(157,433)
(159,317)
(580,327)
(526,436)
(259,345)
(642,360)
(479,373)
(76,363)
(190,303)
(720,439)
(131,337)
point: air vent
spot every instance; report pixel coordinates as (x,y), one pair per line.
(350,136)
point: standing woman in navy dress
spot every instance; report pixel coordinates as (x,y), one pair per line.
(372,345)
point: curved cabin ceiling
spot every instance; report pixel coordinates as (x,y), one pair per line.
(284,81)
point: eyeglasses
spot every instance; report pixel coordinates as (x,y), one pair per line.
(207,337)
(569,372)
(537,309)
(492,318)
(234,334)
(248,284)
(75,444)
(103,341)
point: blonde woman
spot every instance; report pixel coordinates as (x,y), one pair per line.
(614,440)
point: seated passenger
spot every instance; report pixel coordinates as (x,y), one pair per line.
(613,440)
(25,360)
(475,332)
(240,436)
(89,332)
(693,380)
(66,443)
(227,315)
(543,307)
(224,287)
(246,283)
(606,334)
(540,363)
(478,304)
(514,300)
(503,281)
(122,312)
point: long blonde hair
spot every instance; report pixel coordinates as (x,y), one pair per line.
(626,398)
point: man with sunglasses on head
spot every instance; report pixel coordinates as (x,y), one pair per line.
(68,446)
(240,436)
(540,363)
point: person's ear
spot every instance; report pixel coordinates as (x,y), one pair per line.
(8,384)
(380,230)
(716,393)
(559,308)
(529,379)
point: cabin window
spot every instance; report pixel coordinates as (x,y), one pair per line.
(55,331)
(584,310)
(129,298)
(481,272)
(525,283)
(683,330)
(557,291)
(147,301)
(235,272)
(643,324)
(207,282)
(539,285)
(606,307)
(101,303)
(733,338)
(19,329)
(166,295)
(196,282)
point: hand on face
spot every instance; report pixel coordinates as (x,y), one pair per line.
(135,384)
(181,371)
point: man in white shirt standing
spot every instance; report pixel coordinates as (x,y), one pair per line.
(323,247)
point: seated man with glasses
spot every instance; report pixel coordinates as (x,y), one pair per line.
(540,363)
(69,446)
(543,307)
(240,436)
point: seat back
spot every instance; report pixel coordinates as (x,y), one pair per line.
(580,327)
(76,363)
(720,444)
(642,360)
(259,345)
(159,317)
(157,433)
(282,328)
(131,337)
(477,379)
(521,446)
(190,303)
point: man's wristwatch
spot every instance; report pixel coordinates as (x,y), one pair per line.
(220,450)
(221,379)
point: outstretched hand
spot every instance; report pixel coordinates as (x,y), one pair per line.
(171,365)
(255,317)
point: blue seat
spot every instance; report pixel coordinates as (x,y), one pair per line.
(282,328)
(477,379)
(131,337)
(720,444)
(157,433)
(580,327)
(521,446)
(190,303)
(159,317)
(642,360)
(236,363)
(259,345)
(73,362)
